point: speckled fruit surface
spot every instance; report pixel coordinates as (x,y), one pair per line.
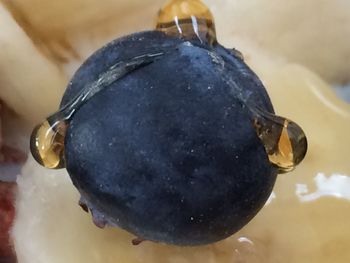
(169,152)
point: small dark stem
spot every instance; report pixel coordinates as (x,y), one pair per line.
(137,241)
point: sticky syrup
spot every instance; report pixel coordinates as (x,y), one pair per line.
(284,141)
(189,19)
(47,144)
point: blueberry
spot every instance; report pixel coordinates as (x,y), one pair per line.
(169,151)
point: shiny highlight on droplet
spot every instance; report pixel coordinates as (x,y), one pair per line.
(189,19)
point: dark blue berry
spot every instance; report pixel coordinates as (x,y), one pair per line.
(169,152)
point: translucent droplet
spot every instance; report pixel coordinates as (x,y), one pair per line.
(47,140)
(47,144)
(284,140)
(188,19)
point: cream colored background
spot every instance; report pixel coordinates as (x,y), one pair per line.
(298,48)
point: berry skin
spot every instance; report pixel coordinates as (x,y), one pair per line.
(169,152)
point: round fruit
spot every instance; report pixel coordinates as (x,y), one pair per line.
(169,152)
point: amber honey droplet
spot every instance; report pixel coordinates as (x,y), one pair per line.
(47,144)
(188,19)
(284,141)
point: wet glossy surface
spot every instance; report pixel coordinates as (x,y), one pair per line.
(187,19)
(284,140)
(47,143)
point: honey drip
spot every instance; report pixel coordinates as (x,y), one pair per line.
(47,139)
(284,141)
(189,19)
(47,144)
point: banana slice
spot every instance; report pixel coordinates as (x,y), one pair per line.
(30,83)
(312,33)
(69,31)
(304,221)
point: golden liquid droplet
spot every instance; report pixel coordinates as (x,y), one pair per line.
(47,144)
(284,141)
(189,19)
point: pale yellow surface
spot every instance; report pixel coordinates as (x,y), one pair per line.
(306,220)
(29,82)
(52,228)
(313,33)
(71,29)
